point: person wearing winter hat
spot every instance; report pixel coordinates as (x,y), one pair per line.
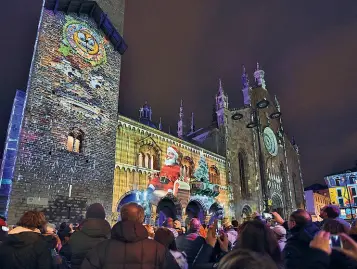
(95,211)
(129,246)
(169,223)
(231,233)
(192,242)
(280,234)
(4,229)
(94,229)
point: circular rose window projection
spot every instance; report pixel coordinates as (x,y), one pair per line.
(270,142)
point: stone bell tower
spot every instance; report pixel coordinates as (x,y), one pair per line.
(66,147)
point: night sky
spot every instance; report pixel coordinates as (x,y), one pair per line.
(179,49)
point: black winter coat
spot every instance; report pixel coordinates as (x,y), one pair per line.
(317,259)
(206,259)
(190,244)
(25,249)
(66,251)
(93,232)
(297,246)
(170,261)
(129,247)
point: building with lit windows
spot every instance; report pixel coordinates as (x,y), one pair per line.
(316,196)
(343,191)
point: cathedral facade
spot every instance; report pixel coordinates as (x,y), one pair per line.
(251,163)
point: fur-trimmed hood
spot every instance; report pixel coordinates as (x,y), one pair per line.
(20,237)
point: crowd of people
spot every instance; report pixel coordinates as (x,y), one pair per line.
(258,243)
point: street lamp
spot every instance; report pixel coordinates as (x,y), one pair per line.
(255,123)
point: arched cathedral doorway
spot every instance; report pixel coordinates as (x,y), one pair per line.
(277,204)
(195,210)
(216,212)
(129,197)
(168,207)
(246,213)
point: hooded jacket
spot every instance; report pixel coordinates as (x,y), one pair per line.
(93,231)
(25,249)
(297,247)
(129,247)
(190,244)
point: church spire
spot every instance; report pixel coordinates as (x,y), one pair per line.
(145,112)
(192,123)
(220,88)
(293,142)
(160,125)
(245,89)
(181,110)
(259,77)
(180,122)
(276,101)
(221,104)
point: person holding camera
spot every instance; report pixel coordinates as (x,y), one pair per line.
(322,250)
(302,231)
(337,259)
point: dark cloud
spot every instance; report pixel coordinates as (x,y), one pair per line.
(179,49)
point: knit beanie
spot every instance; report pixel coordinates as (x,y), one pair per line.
(95,211)
(195,225)
(2,222)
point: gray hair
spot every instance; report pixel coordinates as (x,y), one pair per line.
(50,225)
(132,212)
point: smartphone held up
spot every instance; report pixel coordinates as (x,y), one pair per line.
(335,241)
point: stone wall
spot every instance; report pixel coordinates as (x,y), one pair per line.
(73,91)
(295,176)
(242,140)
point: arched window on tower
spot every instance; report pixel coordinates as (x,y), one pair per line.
(243,177)
(187,167)
(298,201)
(151,164)
(214,175)
(75,141)
(147,160)
(285,188)
(140,159)
(148,157)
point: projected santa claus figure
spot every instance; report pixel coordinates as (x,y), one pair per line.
(169,173)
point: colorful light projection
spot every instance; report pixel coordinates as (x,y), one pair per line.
(170,179)
(80,39)
(343,192)
(10,151)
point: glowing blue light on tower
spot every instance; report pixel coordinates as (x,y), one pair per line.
(10,151)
